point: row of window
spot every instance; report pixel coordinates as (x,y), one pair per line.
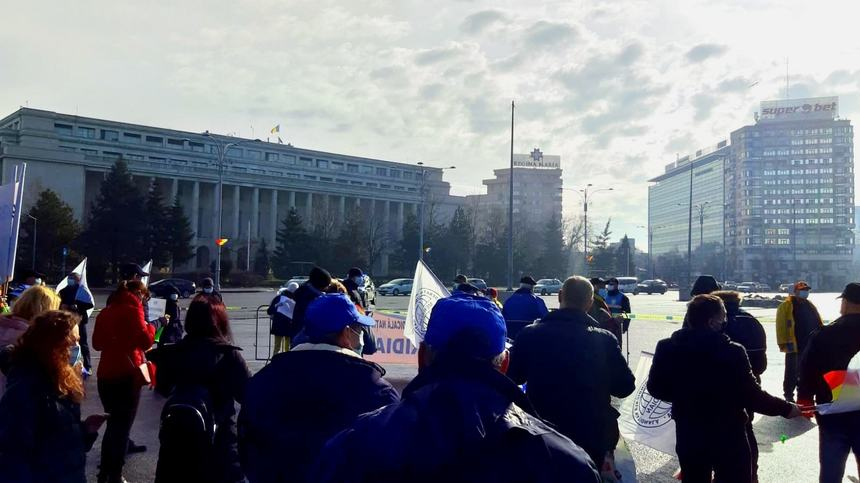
(798,211)
(807,191)
(234,152)
(783,172)
(798,221)
(772,182)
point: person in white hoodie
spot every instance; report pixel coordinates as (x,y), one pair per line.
(32,302)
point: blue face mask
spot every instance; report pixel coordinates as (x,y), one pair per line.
(208,290)
(74,355)
(803,294)
(72,282)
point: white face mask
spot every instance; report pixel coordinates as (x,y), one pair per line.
(208,290)
(38,281)
(173,296)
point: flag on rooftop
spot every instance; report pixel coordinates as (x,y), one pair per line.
(276,129)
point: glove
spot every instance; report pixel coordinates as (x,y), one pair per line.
(807,408)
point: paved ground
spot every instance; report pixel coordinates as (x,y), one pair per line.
(795,460)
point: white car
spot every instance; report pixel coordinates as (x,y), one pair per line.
(398,286)
(627,284)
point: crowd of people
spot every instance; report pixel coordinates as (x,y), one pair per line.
(505,391)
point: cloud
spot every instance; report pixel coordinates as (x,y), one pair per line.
(549,34)
(703,52)
(630,54)
(703,104)
(480,21)
(735,84)
(439,54)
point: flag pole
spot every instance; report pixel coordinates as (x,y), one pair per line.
(511,210)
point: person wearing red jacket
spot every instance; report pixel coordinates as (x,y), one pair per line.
(122,335)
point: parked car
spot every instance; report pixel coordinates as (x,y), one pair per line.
(299,280)
(162,288)
(729,285)
(478,282)
(627,284)
(763,287)
(748,287)
(546,286)
(651,287)
(398,286)
(786,287)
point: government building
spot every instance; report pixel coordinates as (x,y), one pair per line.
(262,181)
(779,197)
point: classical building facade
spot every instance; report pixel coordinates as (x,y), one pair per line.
(262,181)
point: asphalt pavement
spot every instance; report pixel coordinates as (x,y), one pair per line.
(792,458)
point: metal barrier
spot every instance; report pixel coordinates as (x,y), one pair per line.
(257,336)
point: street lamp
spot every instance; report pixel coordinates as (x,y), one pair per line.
(700,208)
(583,194)
(35,232)
(222,152)
(424,172)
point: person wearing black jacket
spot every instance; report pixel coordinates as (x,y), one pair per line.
(831,348)
(318,280)
(746,330)
(571,368)
(354,283)
(309,394)
(709,381)
(204,358)
(460,419)
(69,301)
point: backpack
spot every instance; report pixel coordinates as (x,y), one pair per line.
(172,333)
(187,434)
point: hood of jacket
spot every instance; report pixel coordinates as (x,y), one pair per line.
(11,329)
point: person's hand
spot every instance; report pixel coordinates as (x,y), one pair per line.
(794,412)
(94,422)
(807,408)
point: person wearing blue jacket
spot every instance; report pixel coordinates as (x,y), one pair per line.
(524,305)
(309,394)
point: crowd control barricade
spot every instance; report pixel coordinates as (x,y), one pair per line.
(268,334)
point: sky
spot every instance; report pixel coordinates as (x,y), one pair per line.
(617,88)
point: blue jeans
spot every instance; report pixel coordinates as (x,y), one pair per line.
(837,436)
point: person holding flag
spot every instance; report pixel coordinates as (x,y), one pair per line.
(828,368)
(77,299)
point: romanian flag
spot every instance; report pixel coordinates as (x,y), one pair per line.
(845,388)
(221,242)
(276,129)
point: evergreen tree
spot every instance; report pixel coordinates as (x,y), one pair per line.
(491,250)
(158,232)
(453,256)
(406,253)
(262,264)
(552,261)
(293,245)
(602,259)
(179,236)
(55,229)
(116,229)
(349,247)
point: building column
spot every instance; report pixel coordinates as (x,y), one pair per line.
(273,218)
(237,201)
(386,217)
(292,199)
(341,210)
(255,214)
(174,191)
(399,226)
(215,204)
(195,209)
(309,208)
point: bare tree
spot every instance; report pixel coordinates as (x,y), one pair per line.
(377,240)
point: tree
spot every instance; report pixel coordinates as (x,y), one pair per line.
(262,263)
(158,232)
(625,259)
(405,255)
(602,259)
(55,230)
(292,245)
(491,251)
(116,228)
(453,256)
(349,247)
(376,239)
(179,236)
(573,245)
(551,261)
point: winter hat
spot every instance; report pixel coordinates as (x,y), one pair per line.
(705,284)
(319,278)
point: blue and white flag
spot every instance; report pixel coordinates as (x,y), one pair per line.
(84,294)
(11,205)
(426,290)
(644,418)
(148,269)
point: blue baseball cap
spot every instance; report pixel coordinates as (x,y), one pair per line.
(330,313)
(479,316)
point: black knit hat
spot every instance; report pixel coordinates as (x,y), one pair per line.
(319,278)
(705,284)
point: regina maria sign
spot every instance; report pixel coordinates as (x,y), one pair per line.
(800,109)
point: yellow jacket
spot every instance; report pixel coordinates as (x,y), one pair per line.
(785,324)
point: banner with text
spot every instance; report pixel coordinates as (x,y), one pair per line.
(392,347)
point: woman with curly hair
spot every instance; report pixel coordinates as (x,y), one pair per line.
(42,437)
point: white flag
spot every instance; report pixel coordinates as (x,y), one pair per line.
(644,418)
(148,269)
(426,290)
(84,294)
(11,206)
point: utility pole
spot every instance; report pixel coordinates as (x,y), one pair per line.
(219,206)
(511,210)
(690,234)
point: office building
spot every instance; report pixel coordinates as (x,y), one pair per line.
(791,199)
(262,181)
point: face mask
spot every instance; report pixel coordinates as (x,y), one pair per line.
(360,348)
(74,355)
(611,288)
(208,290)
(173,296)
(803,294)
(38,281)
(358,281)
(72,282)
